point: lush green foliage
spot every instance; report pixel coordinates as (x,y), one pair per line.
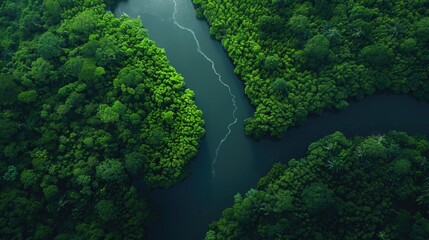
(362,188)
(326,51)
(87,101)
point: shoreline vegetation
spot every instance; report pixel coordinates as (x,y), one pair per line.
(302,57)
(298,58)
(374,187)
(88,102)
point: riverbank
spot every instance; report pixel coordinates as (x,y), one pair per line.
(186,209)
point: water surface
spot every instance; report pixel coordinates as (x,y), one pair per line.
(187,208)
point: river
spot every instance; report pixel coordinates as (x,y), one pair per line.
(186,209)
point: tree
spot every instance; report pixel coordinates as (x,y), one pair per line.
(362,32)
(128,76)
(83,24)
(10,10)
(41,71)
(317,47)
(333,35)
(373,149)
(408,46)
(32,23)
(53,10)
(43,232)
(28,178)
(323,8)
(298,24)
(50,191)
(378,56)
(49,46)
(401,168)
(8,90)
(210,235)
(280,85)
(89,49)
(272,62)
(108,52)
(269,25)
(28,96)
(168,117)
(135,118)
(316,51)
(420,229)
(8,128)
(217,30)
(119,108)
(403,223)
(11,174)
(106,210)
(110,170)
(422,29)
(74,66)
(63,109)
(284,202)
(361,12)
(318,198)
(87,72)
(107,114)
(156,136)
(134,162)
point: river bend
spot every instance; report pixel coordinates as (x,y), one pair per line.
(186,209)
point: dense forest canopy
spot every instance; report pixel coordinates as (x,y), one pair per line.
(89,106)
(374,187)
(301,57)
(88,102)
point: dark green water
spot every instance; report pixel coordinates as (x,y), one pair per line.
(188,207)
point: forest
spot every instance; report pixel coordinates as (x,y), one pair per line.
(374,187)
(93,118)
(89,106)
(303,57)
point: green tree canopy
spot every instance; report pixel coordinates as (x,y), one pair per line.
(41,71)
(318,198)
(11,174)
(8,90)
(106,210)
(8,129)
(378,56)
(111,170)
(272,62)
(49,46)
(28,96)
(316,50)
(306,199)
(107,114)
(361,12)
(134,162)
(299,24)
(280,85)
(28,178)
(270,24)
(422,29)
(50,191)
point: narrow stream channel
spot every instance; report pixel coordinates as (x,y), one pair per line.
(188,207)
